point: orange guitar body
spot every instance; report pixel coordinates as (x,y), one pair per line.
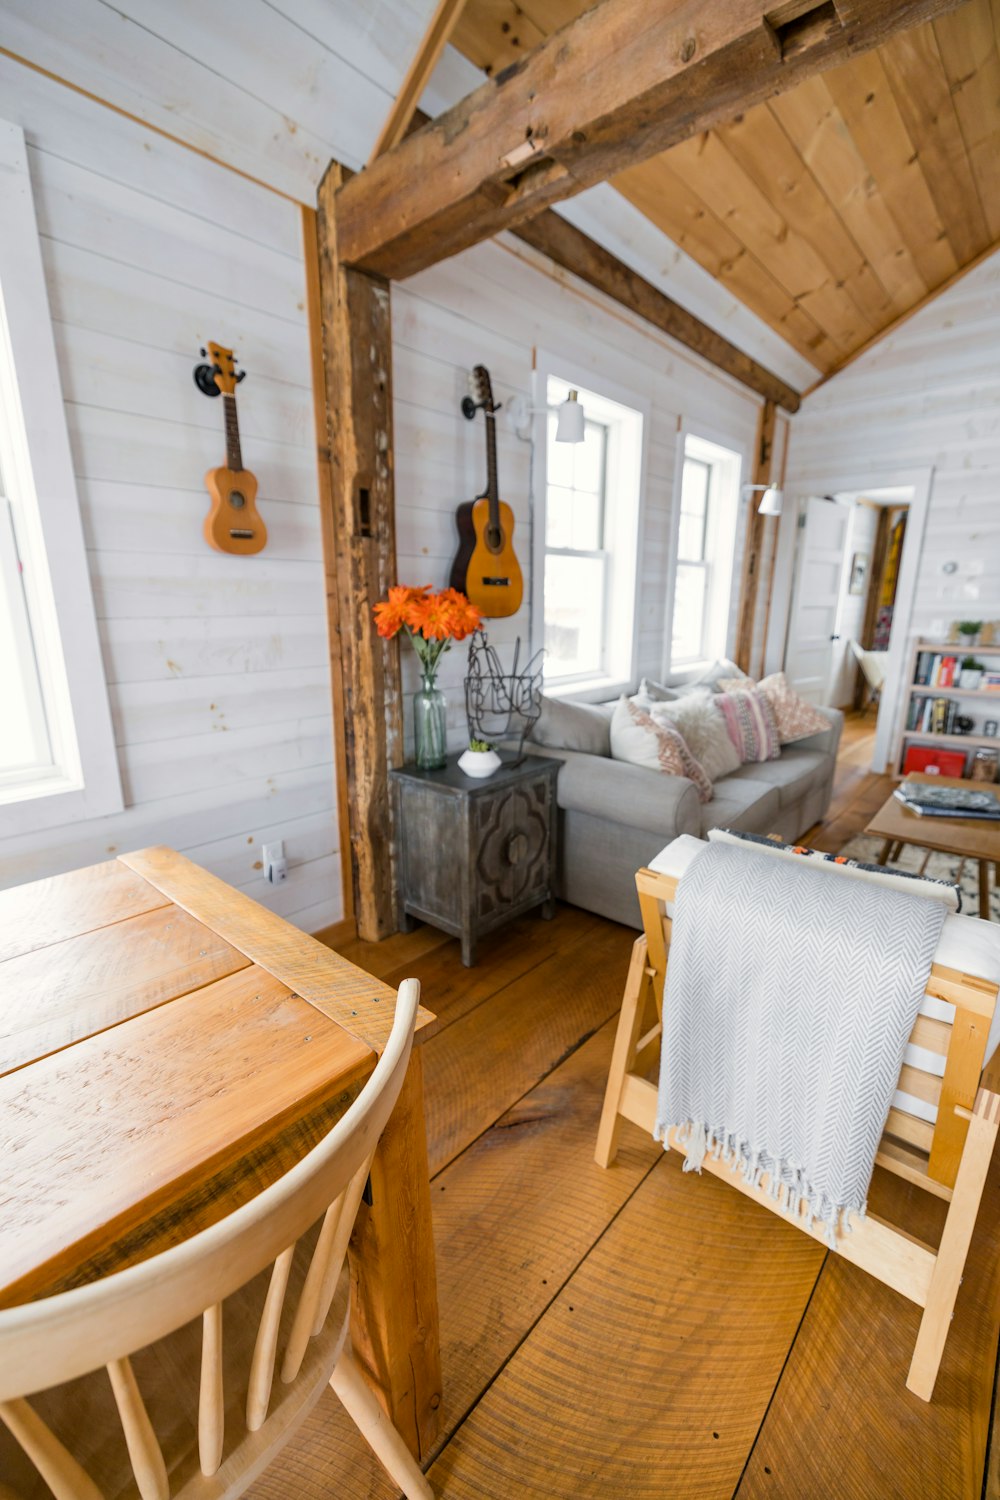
(233,523)
(486,569)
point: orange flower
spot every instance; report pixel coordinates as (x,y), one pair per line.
(398,610)
(465,617)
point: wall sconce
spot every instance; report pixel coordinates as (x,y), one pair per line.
(771,498)
(570,418)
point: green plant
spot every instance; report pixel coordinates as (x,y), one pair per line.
(969,664)
(480,745)
(969,627)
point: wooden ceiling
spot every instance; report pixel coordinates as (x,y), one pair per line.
(839,206)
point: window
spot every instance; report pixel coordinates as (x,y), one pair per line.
(706,534)
(57,751)
(588,526)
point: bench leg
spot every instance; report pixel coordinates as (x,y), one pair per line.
(637,988)
(950,1262)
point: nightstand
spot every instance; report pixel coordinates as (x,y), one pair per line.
(476,853)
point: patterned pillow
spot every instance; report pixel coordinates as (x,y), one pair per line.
(796,719)
(751,725)
(703,729)
(637,738)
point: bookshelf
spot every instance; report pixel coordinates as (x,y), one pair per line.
(978,703)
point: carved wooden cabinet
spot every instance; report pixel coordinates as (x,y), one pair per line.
(475,853)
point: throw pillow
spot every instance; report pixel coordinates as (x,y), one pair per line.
(750,722)
(712,676)
(572,726)
(796,719)
(637,738)
(656,692)
(703,728)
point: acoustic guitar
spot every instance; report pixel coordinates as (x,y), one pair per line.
(486,569)
(232,524)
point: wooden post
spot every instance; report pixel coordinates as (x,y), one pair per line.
(749,578)
(359,543)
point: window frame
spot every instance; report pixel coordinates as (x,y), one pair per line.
(723,542)
(601,554)
(39,480)
(627,413)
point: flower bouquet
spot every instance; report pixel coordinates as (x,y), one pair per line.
(432,622)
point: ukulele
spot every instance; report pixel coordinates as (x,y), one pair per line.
(232,524)
(485,568)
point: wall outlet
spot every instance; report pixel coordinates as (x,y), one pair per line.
(275,863)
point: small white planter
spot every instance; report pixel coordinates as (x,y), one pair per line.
(479,762)
(969,679)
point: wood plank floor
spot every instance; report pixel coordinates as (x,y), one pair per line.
(637,1332)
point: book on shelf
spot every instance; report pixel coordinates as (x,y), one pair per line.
(990,682)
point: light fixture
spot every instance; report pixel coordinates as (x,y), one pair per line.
(570,418)
(569,425)
(771,498)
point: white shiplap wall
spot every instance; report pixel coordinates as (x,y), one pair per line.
(492,305)
(217,666)
(928,396)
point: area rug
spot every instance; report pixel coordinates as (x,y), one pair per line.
(939,867)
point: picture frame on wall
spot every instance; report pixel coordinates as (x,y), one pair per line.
(859,573)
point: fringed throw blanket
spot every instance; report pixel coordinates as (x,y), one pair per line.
(790,997)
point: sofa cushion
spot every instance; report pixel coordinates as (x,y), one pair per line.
(793,776)
(629,796)
(712,676)
(573,726)
(656,692)
(642,741)
(741,803)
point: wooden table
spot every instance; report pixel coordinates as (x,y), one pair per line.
(168,1048)
(967,838)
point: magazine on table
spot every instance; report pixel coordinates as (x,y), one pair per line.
(927,800)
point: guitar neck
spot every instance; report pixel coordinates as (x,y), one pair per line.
(234,457)
(492,488)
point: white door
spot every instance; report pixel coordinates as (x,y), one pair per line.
(812,625)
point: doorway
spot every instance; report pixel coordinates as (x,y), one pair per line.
(851,552)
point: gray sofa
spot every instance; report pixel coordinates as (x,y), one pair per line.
(614,817)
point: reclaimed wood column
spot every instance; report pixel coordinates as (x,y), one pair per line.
(750,572)
(359,545)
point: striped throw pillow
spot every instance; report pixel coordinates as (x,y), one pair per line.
(751,725)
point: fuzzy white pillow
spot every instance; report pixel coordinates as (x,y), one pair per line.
(703,728)
(638,738)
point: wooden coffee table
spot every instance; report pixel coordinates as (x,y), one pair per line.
(968,838)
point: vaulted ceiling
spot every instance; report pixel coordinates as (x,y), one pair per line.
(835,208)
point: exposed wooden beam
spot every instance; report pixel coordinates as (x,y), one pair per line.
(628,79)
(314,308)
(584,257)
(750,573)
(360,547)
(425,59)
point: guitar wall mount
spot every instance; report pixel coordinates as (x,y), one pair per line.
(204,377)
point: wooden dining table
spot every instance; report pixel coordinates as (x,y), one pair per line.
(168,1048)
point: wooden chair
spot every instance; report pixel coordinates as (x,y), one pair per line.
(939,1135)
(272,1271)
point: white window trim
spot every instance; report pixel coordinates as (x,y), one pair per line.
(722,439)
(562,367)
(39,466)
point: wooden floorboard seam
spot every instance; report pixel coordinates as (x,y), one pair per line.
(452,1432)
(777,1384)
(991,1458)
(515,1102)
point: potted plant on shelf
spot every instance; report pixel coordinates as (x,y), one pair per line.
(480,759)
(969,631)
(971,674)
(432,621)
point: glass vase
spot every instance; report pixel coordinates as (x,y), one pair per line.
(429,736)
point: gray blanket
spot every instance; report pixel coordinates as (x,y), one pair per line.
(790,996)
